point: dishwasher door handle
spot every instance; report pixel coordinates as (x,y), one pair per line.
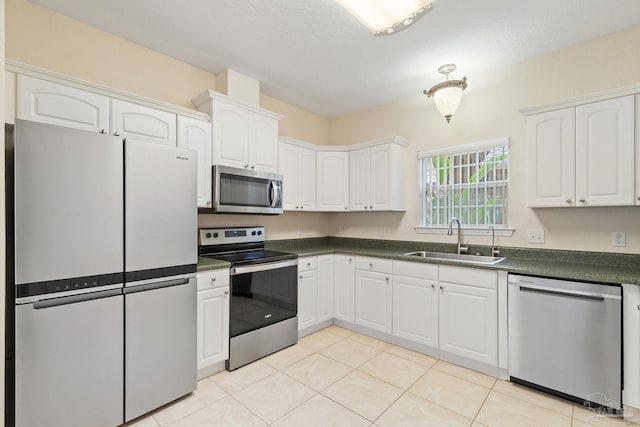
(56,302)
(563,292)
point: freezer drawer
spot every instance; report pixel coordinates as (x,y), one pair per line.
(160,344)
(69,367)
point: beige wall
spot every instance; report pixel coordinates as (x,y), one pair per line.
(490,109)
(40,37)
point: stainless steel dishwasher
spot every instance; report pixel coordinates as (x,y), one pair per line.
(566,338)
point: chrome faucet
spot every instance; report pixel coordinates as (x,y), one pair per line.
(461,248)
(494,251)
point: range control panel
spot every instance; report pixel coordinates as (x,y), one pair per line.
(223,236)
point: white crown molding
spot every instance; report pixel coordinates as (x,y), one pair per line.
(210,95)
(52,76)
(584,99)
(346,148)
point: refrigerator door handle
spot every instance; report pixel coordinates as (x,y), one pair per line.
(155,285)
(56,302)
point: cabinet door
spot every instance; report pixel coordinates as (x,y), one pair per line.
(380,177)
(139,123)
(307,183)
(52,103)
(307,299)
(333,181)
(213,326)
(605,151)
(468,322)
(230,135)
(373,300)
(551,139)
(263,143)
(325,287)
(637,149)
(359,180)
(415,309)
(288,168)
(344,291)
(196,135)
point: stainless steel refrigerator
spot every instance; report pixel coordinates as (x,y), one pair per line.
(104,259)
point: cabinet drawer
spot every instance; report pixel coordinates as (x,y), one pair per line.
(213,279)
(415,269)
(374,264)
(469,276)
(307,263)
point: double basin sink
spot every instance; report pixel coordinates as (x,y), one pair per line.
(473,259)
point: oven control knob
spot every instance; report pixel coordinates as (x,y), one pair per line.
(215,235)
(208,235)
(259,233)
(253,233)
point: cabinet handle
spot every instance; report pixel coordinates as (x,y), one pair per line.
(582,200)
(297,207)
(371,265)
(345,208)
(226,292)
(116,133)
(350,259)
(208,202)
(301,207)
(103,131)
(433,286)
(308,264)
(442,288)
(246,166)
(639,198)
(568,201)
(300,277)
(213,279)
(366,207)
(253,166)
(638,307)
(370,207)
(386,279)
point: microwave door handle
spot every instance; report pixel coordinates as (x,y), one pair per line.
(272,194)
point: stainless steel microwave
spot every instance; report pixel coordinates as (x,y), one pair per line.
(242,191)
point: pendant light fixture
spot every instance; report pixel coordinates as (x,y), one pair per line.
(384,17)
(448,94)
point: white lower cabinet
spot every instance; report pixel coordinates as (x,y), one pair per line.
(415,302)
(344,290)
(373,296)
(213,317)
(468,313)
(315,290)
(307,302)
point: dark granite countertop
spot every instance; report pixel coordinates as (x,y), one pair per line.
(603,267)
(205,264)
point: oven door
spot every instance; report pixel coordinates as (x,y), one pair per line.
(262,295)
(244,191)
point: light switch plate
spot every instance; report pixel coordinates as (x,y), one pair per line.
(535,235)
(619,239)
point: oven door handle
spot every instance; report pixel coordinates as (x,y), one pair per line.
(263,267)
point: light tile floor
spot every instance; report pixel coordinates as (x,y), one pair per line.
(339,378)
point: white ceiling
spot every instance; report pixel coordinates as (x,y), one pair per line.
(313,54)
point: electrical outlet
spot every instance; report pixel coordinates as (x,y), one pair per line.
(535,235)
(619,239)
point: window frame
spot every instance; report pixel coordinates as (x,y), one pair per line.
(470,229)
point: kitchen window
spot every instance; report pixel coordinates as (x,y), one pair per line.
(469,182)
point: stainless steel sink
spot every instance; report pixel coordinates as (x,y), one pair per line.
(475,259)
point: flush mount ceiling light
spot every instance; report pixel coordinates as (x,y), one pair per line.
(385,17)
(448,94)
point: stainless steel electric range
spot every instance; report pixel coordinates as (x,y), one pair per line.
(264,292)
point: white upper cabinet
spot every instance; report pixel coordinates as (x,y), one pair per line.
(637,149)
(605,152)
(333,181)
(551,158)
(140,123)
(263,146)
(583,155)
(230,135)
(244,136)
(56,104)
(298,168)
(376,177)
(196,135)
